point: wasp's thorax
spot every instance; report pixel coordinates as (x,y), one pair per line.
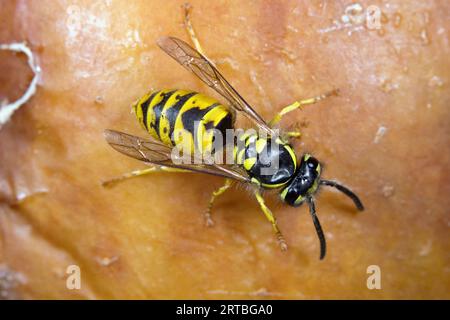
(304,183)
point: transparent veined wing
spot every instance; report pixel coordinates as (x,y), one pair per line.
(154,152)
(195,62)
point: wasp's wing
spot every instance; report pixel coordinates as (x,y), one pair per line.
(154,152)
(194,61)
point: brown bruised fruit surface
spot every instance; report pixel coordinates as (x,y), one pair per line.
(386,136)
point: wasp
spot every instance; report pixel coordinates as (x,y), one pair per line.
(163,113)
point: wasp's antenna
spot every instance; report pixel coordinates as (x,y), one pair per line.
(323,242)
(345,191)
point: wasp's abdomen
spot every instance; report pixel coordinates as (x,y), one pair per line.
(183,118)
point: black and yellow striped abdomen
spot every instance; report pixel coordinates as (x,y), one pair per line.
(183,118)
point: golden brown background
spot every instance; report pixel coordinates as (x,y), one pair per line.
(145,237)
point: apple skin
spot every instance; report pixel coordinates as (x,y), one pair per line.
(386,136)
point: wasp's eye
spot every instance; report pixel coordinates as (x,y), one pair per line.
(312,163)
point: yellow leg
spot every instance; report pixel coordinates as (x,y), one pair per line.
(299,104)
(292,134)
(272,220)
(190,29)
(141,172)
(208,220)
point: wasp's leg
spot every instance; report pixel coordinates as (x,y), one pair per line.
(299,104)
(292,134)
(141,172)
(190,29)
(208,220)
(273,221)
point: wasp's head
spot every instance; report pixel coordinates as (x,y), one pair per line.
(305,182)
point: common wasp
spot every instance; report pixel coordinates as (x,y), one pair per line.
(166,113)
